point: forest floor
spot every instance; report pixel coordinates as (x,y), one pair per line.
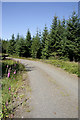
(53,93)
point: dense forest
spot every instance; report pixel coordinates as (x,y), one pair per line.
(62,41)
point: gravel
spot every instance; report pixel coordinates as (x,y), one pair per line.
(54,91)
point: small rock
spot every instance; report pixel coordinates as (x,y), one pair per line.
(55,113)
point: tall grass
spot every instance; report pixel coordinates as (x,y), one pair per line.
(10,84)
(71,67)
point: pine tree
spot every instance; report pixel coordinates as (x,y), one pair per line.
(28,44)
(54,23)
(17,37)
(17,40)
(53,37)
(44,36)
(21,48)
(72,36)
(4,46)
(77,42)
(43,42)
(50,40)
(36,47)
(61,43)
(46,50)
(11,46)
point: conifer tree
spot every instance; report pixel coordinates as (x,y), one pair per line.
(43,41)
(17,39)
(36,46)
(16,45)
(28,44)
(46,50)
(72,37)
(61,43)
(51,40)
(44,36)
(11,46)
(4,46)
(21,48)
(53,37)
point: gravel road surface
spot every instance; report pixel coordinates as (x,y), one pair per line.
(54,91)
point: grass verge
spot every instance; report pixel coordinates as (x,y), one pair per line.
(9,84)
(71,67)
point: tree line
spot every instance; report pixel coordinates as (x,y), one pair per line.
(62,41)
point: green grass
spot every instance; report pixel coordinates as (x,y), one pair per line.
(14,82)
(71,67)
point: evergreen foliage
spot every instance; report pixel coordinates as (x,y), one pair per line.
(73,37)
(4,46)
(28,43)
(21,48)
(62,41)
(36,46)
(11,46)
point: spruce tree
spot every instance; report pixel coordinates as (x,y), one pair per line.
(53,37)
(28,44)
(44,36)
(49,49)
(21,48)
(11,46)
(43,41)
(46,50)
(4,46)
(73,37)
(17,37)
(36,47)
(61,43)
(16,45)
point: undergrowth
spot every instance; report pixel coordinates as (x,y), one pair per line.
(11,80)
(71,67)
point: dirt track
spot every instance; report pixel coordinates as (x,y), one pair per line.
(54,91)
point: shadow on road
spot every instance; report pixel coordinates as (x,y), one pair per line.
(28,69)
